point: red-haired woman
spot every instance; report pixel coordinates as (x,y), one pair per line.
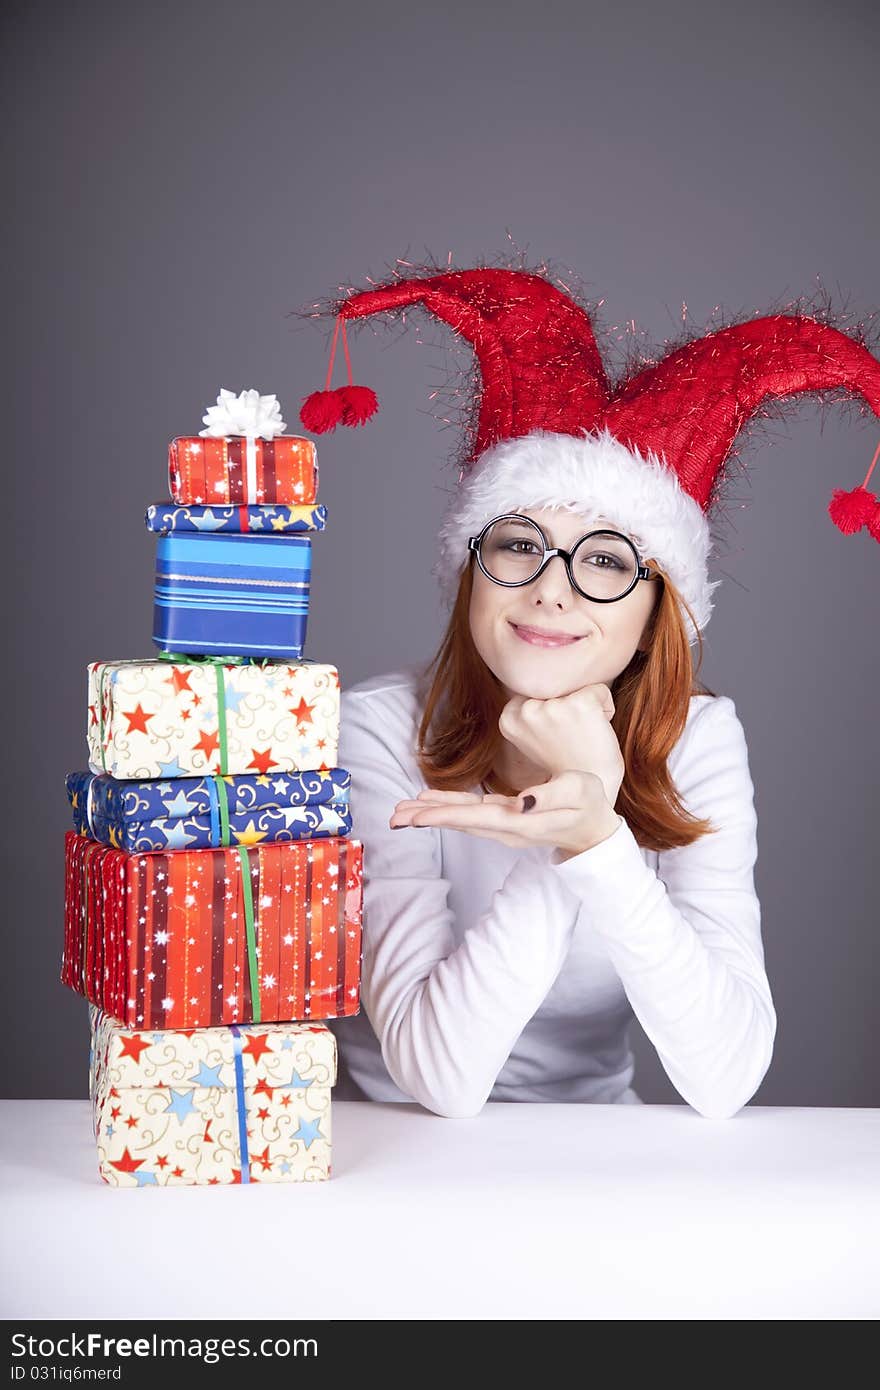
(558,819)
(559,832)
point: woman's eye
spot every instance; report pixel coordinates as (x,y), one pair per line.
(614,563)
(513,544)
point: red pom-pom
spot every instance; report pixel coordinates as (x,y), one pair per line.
(358,404)
(322,411)
(874,523)
(850,511)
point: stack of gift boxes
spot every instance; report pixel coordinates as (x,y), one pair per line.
(213,893)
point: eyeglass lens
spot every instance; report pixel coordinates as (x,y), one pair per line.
(512,550)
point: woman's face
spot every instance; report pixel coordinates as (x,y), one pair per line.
(606,635)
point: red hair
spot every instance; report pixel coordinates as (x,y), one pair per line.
(459,740)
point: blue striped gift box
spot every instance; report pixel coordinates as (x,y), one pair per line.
(232,595)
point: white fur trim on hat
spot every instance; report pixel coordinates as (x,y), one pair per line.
(598,477)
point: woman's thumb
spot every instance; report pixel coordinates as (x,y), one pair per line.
(558,792)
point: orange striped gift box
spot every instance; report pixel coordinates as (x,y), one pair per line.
(236,469)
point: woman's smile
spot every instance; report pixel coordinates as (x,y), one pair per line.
(544,637)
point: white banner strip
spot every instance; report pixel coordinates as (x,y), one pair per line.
(250,492)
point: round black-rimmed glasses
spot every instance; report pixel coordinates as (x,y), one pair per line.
(604,566)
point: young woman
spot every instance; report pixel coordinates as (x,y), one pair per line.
(558,819)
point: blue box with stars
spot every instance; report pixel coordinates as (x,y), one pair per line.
(209,812)
(163,517)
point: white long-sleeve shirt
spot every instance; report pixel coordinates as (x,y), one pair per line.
(498,973)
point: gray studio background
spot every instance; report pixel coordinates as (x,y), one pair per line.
(180,177)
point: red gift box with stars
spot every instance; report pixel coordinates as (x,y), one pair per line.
(200,938)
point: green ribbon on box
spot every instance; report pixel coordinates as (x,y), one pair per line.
(250,932)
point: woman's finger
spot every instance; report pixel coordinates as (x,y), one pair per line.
(409,804)
(432,794)
(505,819)
(435,792)
(567,790)
(444,798)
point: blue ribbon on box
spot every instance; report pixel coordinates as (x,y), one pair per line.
(214,804)
(240,1104)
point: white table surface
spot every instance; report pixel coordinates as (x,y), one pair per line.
(541,1211)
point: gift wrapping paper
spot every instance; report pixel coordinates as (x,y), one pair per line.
(239,595)
(156,719)
(236,1104)
(238,469)
(164,517)
(209,812)
(199,938)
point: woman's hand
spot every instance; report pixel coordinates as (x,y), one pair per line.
(570,812)
(568,733)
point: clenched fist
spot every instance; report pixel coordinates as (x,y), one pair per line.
(568,733)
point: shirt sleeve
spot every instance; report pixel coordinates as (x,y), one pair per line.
(446,1014)
(686,940)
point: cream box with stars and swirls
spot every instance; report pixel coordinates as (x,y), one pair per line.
(207,1106)
(159,718)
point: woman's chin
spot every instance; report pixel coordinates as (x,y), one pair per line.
(540,685)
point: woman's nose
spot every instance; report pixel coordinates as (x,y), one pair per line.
(552,585)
